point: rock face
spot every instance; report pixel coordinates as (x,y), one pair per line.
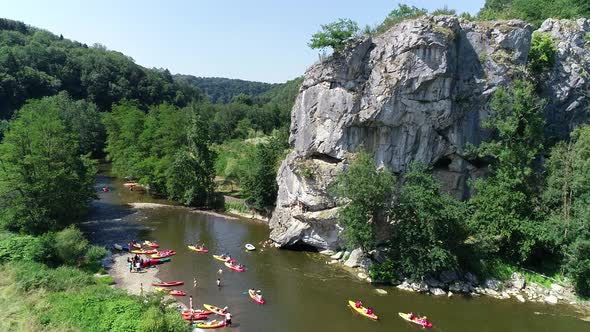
(416,92)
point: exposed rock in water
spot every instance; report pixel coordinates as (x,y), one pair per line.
(355,258)
(437,292)
(419,91)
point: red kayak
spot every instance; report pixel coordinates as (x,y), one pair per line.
(235,267)
(255,297)
(194,316)
(175,292)
(163,254)
(168,284)
(199,312)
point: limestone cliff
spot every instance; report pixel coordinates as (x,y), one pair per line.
(419,91)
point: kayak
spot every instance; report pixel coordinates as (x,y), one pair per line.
(362,310)
(136,245)
(211,325)
(175,292)
(250,247)
(415,320)
(214,309)
(198,312)
(151,244)
(163,254)
(254,297)
(152,262)
(120,247)
(197,249)
(224,259)
(234,267)
(130,184)
(168,284)
(144,252)
(194,316)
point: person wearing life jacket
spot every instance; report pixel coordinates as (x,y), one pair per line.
(369,311)
(358,304)
(412,316)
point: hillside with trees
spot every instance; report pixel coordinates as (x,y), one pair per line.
(223,90)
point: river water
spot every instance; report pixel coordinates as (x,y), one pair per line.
(303,293)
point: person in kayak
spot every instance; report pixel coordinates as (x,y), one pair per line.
(412,316)
(358,304)
(369,311)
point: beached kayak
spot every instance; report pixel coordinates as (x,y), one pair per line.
(255,297)
(224,259)
(120,247)
(362,310)
(151,244)
(152,262)
(175,292)
(163,254)
(235,267)
(198,312)
(168,284)
(211,325)
(214,309)
(250,247)
(194,316)
(416,320)
(197,249)
(144,252)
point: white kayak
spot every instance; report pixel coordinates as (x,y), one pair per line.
(250,247)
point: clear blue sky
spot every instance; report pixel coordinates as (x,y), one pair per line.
(260,40)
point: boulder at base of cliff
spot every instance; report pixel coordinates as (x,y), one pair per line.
(437,292)
(355,258)
(493,284)
(517,281)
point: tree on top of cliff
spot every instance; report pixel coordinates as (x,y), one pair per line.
(402,13)
(335,35)
(533,11)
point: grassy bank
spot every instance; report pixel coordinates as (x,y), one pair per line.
(67,296)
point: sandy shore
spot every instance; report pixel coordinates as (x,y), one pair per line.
(132,282)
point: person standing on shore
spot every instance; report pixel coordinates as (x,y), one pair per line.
(130,265)
(141,289)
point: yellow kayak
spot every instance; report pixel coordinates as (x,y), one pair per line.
(211,325)
(362,310)
(214,309)
(220,258)
(197,249)
(416,320)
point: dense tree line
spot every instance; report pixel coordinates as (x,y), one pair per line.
(223,90)
(35,63)
(534,11)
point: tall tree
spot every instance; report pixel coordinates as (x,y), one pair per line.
(45,184)
(190,179)
(427,232)
(366,192)
(503,217)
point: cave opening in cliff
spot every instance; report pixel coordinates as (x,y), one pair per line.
(326,158)
(443,163)
(302,246)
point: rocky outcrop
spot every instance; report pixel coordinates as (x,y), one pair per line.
(416,92)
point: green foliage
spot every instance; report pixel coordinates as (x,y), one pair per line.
(444,11)
(258,182)
(105,280)
(542,53)
(503,218)
(366,192)
(533,11)
(335,35)
(36,63)
(31,275)
(70,245)
(402,13)
(578,264)
(382,272)
(101,308)
(238,206)
(15,247)
(190,178)
(427,233)
(45,184)
(223,90)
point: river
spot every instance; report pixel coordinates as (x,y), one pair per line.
(303,293)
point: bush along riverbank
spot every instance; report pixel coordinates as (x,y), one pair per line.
(502,282)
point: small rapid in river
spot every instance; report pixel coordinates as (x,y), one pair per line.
(301,291)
